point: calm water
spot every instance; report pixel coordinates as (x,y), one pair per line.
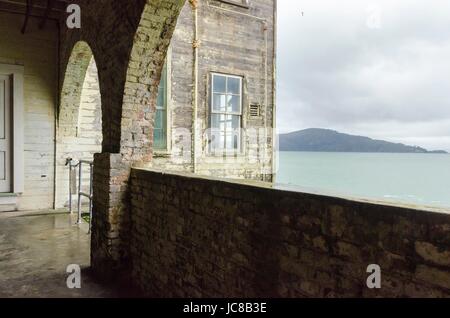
(421,179)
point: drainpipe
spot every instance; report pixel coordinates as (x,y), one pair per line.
(195,46)
(56,119)
(264,175)
(274,92)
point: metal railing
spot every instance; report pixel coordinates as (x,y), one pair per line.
(73,187)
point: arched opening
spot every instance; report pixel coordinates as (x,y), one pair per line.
(128,127)
(145,68)
(79,120)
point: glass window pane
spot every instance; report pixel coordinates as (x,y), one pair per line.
(219,103)
(158,120)
(159,139)
(236,126)
(219,84)
(234,85)
(159,133)
(215,132)
(160,126)
(161,99)
(236,122)
(234,103)
(225,132)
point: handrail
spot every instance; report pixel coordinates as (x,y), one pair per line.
(79,165)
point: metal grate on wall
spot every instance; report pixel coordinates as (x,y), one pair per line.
(255,110)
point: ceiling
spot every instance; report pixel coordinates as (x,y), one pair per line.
(41,9)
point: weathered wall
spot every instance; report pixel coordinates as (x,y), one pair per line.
(36,50)
(232,40)
(209,238)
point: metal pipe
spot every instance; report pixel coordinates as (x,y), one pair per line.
(70,186)
(264,172)
(91,195)
(195,46)
(80,193)
(274,92)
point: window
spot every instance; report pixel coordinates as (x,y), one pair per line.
(160,129)
(240,3)
(226,113)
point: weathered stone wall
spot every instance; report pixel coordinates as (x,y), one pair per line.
(196,237)
(232,40)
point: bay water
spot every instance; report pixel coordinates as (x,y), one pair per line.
(417,179)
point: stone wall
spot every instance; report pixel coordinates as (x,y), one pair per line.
(198,237)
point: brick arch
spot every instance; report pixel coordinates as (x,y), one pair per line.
(79,117)
(74,77)
(131,39)
(147,57)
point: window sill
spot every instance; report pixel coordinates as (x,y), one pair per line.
(225,154)
(162,154)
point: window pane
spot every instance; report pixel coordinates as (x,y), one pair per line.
(159,133)
(158,119)
(234,86)
(219,84)
(215,132)
(160,127)
(234,104)
(219,103)
(161,99)
(236,122)
(159,139)
(225,132)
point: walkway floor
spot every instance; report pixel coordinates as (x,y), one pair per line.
(35,251)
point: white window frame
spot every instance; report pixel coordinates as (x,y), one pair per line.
(168,93)
(224,151)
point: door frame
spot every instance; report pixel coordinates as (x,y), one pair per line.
(17,121)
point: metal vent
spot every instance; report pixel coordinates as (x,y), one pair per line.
(255,110)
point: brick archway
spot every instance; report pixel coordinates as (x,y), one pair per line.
(147,57)
(141,36)
(79,116)
(74,77)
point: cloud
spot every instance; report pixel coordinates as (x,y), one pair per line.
(380,68)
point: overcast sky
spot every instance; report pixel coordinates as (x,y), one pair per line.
(375,68)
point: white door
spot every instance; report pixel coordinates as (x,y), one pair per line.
(5,134)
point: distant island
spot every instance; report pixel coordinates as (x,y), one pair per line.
(325,140)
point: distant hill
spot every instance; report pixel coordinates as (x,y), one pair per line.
(325,140)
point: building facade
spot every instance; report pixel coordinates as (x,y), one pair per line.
(215,107)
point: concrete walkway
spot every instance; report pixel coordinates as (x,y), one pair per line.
(35,251)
